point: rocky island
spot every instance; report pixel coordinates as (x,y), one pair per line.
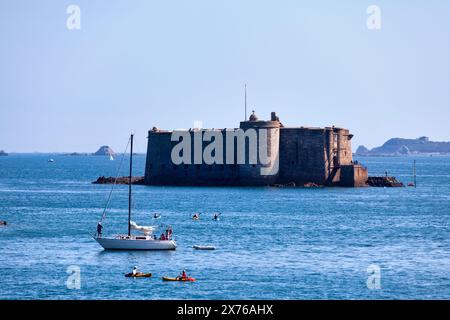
(3,153)
(104,151)
(403,147)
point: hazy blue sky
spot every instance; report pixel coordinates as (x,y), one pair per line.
(136,64)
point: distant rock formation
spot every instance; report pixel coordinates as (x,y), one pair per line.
(362,150)
(3,153)
(401,147)
(104,151)
(119,180)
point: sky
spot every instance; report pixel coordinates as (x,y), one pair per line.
(138,64)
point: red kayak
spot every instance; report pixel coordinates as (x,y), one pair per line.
(188,279)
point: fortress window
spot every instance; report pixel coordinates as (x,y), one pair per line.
(253,165)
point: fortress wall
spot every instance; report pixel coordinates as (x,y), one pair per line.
(263,174)
(353,176)
(160,170)
(302,156)
(158,159)
(344,146)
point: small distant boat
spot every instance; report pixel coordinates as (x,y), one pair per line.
(111,157)
(188,279)
(217,216)
(156,216)
(50,160)
(196,247)
(138,275)
(411,184)
(196,216)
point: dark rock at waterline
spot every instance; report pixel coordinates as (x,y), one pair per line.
(293,185)
(119,180)
(311,185)
(384,181)
(287,185)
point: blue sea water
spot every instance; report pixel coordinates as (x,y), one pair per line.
(271,243)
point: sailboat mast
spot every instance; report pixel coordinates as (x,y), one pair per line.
(129,185)
(415,174)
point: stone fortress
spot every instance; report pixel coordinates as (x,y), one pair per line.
(296,156)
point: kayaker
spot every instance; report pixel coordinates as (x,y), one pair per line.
(183,275)
(196,216)
(135,271)
(99,229)
(216,216)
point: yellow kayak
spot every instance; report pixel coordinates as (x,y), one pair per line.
(138,275)
(179,279)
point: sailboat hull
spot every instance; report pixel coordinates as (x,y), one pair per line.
(134,244)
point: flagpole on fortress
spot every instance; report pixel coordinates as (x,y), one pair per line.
(245,102)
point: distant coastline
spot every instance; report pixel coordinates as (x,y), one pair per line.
(407,147)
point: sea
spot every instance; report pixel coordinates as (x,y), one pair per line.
(271,243)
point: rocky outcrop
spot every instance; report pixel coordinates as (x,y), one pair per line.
(119,180)
(362,150)
(400,146)
(287,185)
(3,153)
(104,151)
(384,181)
(293,185)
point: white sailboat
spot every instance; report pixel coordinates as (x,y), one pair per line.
(145,241)
(111,157)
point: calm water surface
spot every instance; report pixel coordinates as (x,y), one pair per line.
(272,243)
